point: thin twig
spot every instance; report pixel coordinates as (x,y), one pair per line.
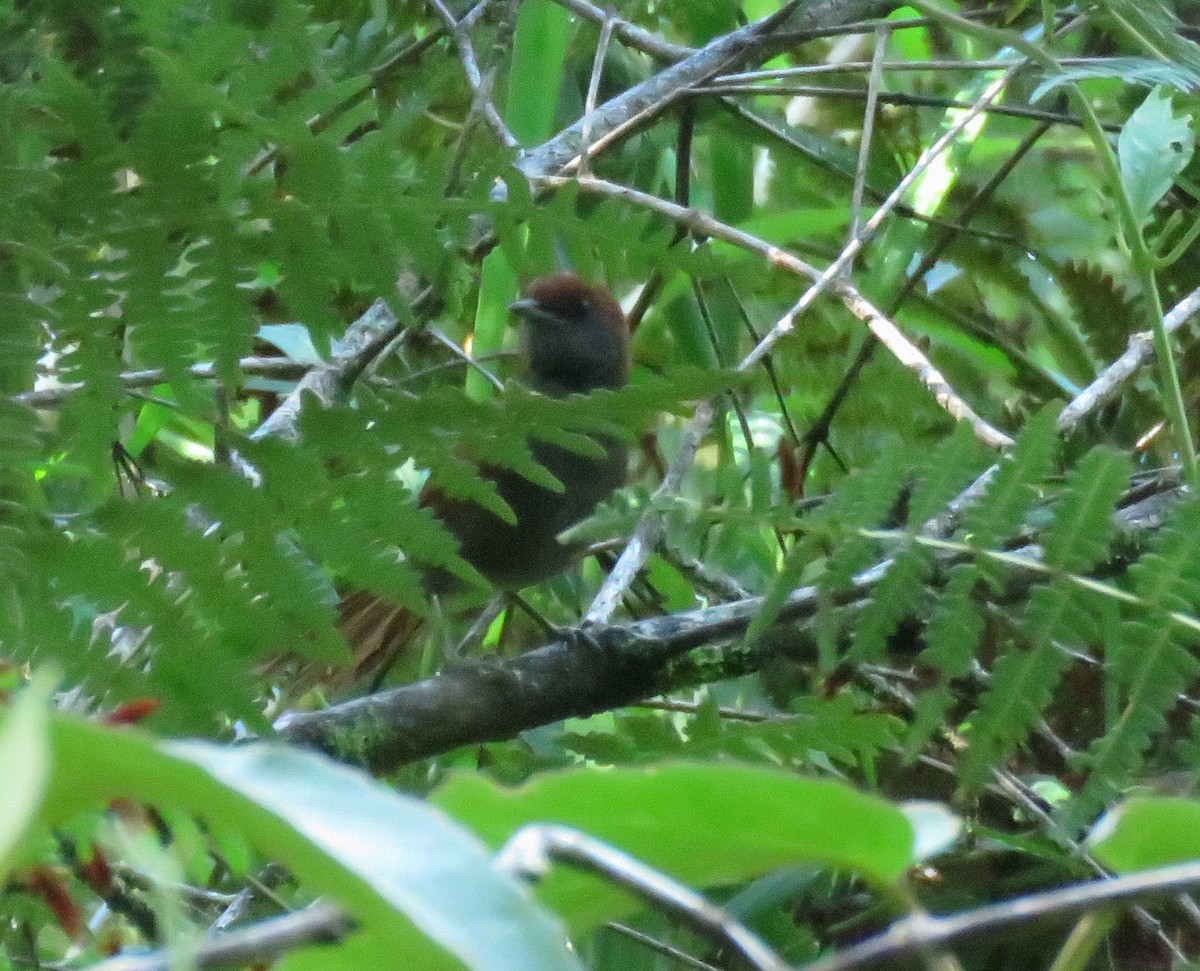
(900,98)
(328,381)
(913,934)
(589,107)
(1125,368)
(890,335)
(649,531)
(850,67)
(530,850)
(834,271)
(660,947)
(629,33)
(271,367)
(479,85)
(868,132)
(468,359)
(1115,376)
(260,943)
(630,111)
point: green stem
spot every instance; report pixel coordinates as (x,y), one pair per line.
(1141,259)
(1143,263)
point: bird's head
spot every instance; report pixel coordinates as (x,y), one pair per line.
(574,337)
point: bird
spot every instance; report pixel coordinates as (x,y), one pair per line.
(573,339)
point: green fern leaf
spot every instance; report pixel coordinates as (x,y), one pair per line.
(1154,668)
(1151,661)
(862,500)
(953,464)
(954,630)
(930,713)
(898,595)
(286,581)
(1000,513)
(1023,680)
(866,498)
(1169,573)
(1083,523)
(1131,70)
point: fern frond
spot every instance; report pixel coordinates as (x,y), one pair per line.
(1023,680)
(1132,70)
(1151,660)
(1154,668)
(1102,306)
(900,594)
(862,500)
(1082,527)
(999,515)
(957,624)
(951,466)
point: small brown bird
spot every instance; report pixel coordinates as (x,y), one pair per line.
(573,339)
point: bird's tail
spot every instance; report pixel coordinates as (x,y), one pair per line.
(379,633)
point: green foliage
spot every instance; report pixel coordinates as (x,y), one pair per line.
(403,886)
(1154,148)
(1132,70)
(1145,832)
(1152,659)
(181,176)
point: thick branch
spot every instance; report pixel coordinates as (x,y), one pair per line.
(641,104)
(605,667)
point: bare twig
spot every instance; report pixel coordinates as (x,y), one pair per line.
(901,98)
(1125,367)
(890,335)
(530,850)
(648,533)
(328,381)
(868,132)
(629,33)
(270,367)
(850,67)
(1119,373)
(589,106)
(480,85)
(258,944)
(660,947)
(622,664)
(914,934)
(835,269)
(649,529)
(467,359)
(631,110)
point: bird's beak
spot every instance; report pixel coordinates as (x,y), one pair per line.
(530,309)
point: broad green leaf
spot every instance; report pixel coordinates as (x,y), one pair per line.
(703,824)
(388,859)
(1148,832)
(539,46)
(25,755)
(1153,148)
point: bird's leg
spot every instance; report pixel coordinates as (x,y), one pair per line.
(571,636)
(473,639)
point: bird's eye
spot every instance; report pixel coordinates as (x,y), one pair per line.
(574,309)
